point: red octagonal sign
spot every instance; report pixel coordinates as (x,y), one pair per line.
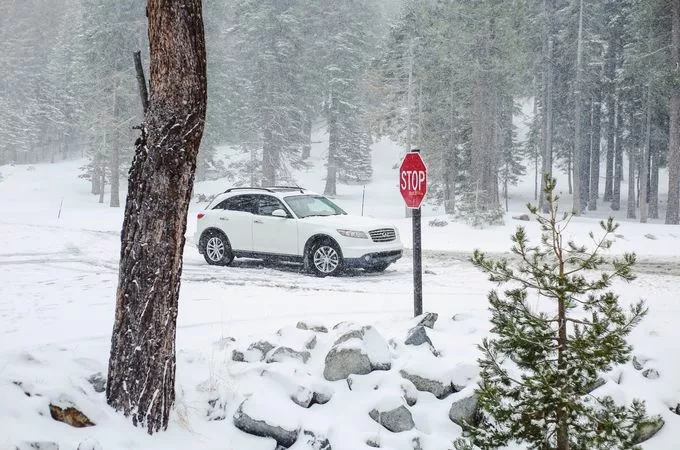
(413,180)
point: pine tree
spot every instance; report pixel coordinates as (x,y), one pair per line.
(538,369)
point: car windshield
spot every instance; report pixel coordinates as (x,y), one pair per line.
(313,205)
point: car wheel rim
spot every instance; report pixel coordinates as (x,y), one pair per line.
(215,249)
(326,259)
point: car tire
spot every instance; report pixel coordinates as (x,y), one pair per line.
(377,268)
(324,258)
(216,249)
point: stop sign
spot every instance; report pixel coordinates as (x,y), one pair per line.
(413,180)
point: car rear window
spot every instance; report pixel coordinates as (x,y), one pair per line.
(244,203)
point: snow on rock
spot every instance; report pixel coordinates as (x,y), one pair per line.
(395,420)
(286,353)
(437,375)
(651,374)
(37,445)
(418,336)
(98,382)
(358,351)
(259,416)
(648,430)
(297,338)
(318,327)
(308,440)
(427,319)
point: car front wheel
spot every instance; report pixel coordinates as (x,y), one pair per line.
(325,258)
(216,249)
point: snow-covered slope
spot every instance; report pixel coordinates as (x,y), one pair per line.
(58,277)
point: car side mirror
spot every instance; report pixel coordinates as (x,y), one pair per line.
(279,213)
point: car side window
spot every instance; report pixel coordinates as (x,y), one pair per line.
(266,205)
(244,203)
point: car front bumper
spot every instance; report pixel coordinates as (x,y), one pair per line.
(374,259)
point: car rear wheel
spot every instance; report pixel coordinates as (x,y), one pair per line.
(216,249)
(324,258)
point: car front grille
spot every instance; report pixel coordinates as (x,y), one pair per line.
(383,235)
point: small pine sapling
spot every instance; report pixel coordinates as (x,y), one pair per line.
(539,368)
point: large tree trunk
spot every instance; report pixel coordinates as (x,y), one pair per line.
(333,140)
(673,211)
(654,181)
(630,210)
(141,377)
(578,145)
(595,150)
(547,126)
(610,89)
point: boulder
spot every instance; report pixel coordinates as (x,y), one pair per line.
(465,410)
(250,419)
(296,338)
(286,353)
(409,391)
(437,222)
(436,375)
(427,320)
(639,362)
(647,429)
(37,445)
(217,409)
(594,385)
(418,336)
(358,351)
(263,347)
(98,382)
(237,356)
(522,217)
(651,374)
(319,328)
(396,420)
(90,444)
(71,416)
(435,387)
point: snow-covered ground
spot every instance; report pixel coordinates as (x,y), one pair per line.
(58,277)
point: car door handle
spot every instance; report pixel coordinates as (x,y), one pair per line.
(257,221)
(223,218)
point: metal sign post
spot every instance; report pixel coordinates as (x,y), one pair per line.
(413,187)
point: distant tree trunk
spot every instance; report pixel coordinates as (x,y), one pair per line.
(536,156)
(644,170)
(333,141)
(115,158)
(673,210)
(307,136)
(450,158)
(569,172)
(578,145)
(610,100)
(547,126)
(102,175)
(654,182)
(595,151)
(618,159)
(632,163)
(587,144)
(141,376)
(270,157)
(409,104)
(95,177)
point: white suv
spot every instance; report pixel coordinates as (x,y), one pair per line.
(291,223)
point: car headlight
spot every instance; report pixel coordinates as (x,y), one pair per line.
(353,234)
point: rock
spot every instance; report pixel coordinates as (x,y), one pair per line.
(373,443)
(677,409)
(650,236)
(639,362)
(358,351)
(37,445)
(435,387)
(651,374)
(522,217)
(437,223)
(396,420)
(594,385)
(427,320)
(647,429)
(311,344)
(409,392)
(310,441)
(283,434)
(217,409)
(263,347)
(312,326)
(322,397)
(418,336)
(415,443)
(98,382)
(224,342)
(237,356)
(465,410)
(71,416)
(90,444)
(286,353)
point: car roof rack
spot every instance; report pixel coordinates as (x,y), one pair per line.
(247,189)
(288,188)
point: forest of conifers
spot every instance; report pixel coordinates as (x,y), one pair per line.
(600,80)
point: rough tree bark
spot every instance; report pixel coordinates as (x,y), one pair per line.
(610,100)
(654,181)
(618,159)
(644,170)
(673,210)
(141,376)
